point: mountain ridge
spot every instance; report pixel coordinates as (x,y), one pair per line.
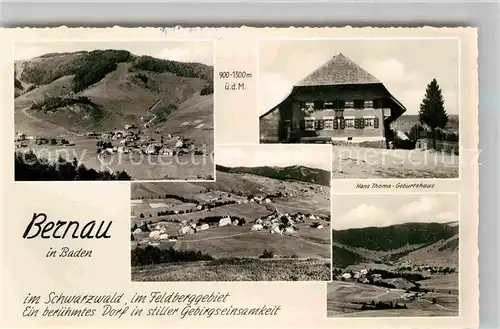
(294,172)
(424,243)
(124,85)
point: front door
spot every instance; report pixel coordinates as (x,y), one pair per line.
(288,129)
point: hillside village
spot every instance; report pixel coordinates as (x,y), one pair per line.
(406,276)
(379,275)
(91,105)
(275,222)
(128,140)
(231,221)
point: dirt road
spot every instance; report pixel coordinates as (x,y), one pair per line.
(151,109)
(99,157)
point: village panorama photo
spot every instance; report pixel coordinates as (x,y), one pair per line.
(265,218)
(114,111)
(394,255)
(388,107)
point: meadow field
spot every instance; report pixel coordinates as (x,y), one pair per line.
(233,228)
(406,270)
(246,269)
(344,299)
(138,166)
(361,162)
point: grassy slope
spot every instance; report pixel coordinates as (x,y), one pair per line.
(309,198)
(29,123)
(441,253)
(250,270)
(227,182)
(123,96)
(298,173)
(344,300)
(405,122)
(195,110)
(148,190)
(234,183)
(241,242)
(127,98)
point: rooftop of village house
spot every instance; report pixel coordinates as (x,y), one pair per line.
(339,70)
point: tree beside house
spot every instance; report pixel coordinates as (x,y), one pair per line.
(432,112)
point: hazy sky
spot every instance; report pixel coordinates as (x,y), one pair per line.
(364,210)
(404,66)
(183,51)
(314,156)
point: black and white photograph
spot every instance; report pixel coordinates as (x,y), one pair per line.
(388,107)
(266,218)
(114,111)
(394,255)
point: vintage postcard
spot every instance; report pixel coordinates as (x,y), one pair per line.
(263,178)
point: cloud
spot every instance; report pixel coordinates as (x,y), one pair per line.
(25,52)
(420,209)
(411,98)
(273,89)
(450,100)
(389,70)
(363,216)
(446,216)
(200,54)
(275,86)
(384,211)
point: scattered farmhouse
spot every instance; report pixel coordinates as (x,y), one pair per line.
(186,230)
(154,234)
(257,227)
(346,276)
(339,101)
(225,221)
(203,227)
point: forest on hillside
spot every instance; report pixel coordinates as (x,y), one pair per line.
(394,237)
(89,68)
(342,257)
(191,70)
(52,104)
(29,167)
(298,173)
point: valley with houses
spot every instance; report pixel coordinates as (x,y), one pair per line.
(403,270)
(251,224)
(104,111)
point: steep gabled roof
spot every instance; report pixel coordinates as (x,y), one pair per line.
(339,70)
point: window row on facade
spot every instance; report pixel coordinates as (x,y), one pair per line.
(341,104)
(341,123)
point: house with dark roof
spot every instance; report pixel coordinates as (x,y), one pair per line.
(339,101)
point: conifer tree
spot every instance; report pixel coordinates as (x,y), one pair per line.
(432,111)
